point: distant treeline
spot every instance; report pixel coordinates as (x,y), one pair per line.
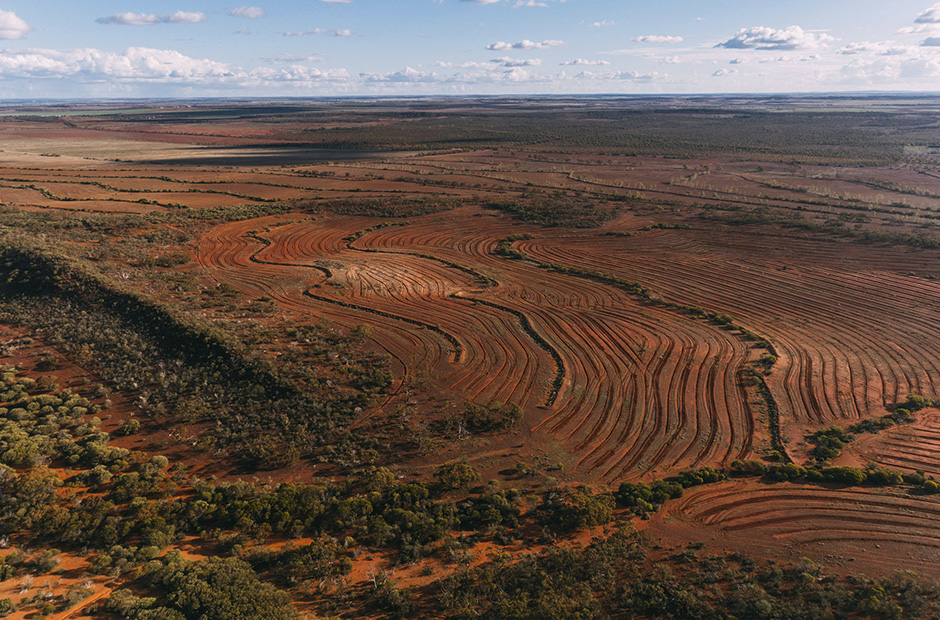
(835,137)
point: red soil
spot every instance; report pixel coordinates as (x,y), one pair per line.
(870,531)
(855,332)
(906,447)
(643,391)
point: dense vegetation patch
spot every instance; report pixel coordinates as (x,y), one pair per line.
(129,511)
(210,589)
(184,366)
(395,206)
(829,442)
(632,128)
(558,209)
(613,578)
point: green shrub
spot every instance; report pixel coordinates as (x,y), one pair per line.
(453,476)
(577,508)
(851,476)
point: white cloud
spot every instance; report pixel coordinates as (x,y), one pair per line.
(763,38)
(462,65)
(602,24)
(930,16)
(506,61)
(920,29)
(525,44)
(620,75)
(882,48)
(918,67)
(497,75)
(499,72)
(149,19)
(928,22)
(182,17)
(131,19)
(292,59)
(519,75)
(11,26)
(136,63)
(585,62)
(891,65)
(295,74)
(724,72)
(654,38)
(345,32)
(406,75)
(138,67)
(249,12)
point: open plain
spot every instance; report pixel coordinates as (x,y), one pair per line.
(577,299)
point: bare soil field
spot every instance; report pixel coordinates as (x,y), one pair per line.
(865,531)
(644,300)
(909,447)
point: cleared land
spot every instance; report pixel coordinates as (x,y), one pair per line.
(559,293)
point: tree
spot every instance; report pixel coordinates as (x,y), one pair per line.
(222,589)
(452,476)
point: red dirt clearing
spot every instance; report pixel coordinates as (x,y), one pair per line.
(906,447)
(855,332)
(871,531)
(640,390)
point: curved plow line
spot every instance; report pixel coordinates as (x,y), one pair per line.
(674,383)
(220,252)
(457,348)
(634,392)
(836,536)
(845,518)
(603,340)
(814,404)
(855,364)
(473,273)
(328,274)
(653,380)
(924,444)
(911,462)
(858,364)
(793,506)
(679,385)
(267,243)
(643,293)
(752,497)
(537,337)
(709,407)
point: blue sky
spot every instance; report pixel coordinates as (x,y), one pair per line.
(148,48)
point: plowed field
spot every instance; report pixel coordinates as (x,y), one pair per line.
(864,530)
(627,296)
(630,389)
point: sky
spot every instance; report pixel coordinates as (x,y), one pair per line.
(62,49)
